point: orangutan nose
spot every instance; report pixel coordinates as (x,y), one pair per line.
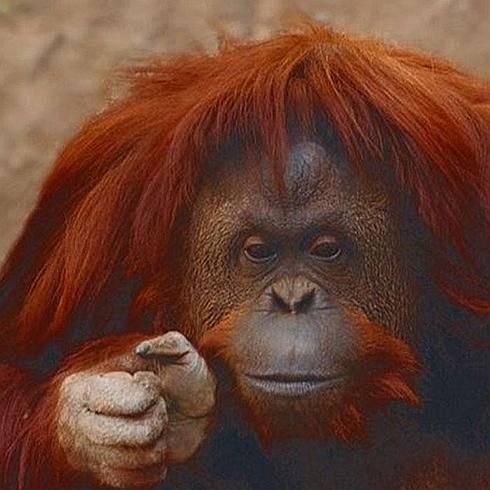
(293,295)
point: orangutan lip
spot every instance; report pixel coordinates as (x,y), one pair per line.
(293,384)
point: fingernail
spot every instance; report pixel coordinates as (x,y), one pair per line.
(142,349)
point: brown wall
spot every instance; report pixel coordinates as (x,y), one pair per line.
(55,57)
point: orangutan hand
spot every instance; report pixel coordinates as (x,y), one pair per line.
(127,420)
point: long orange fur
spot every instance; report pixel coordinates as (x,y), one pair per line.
(116,192)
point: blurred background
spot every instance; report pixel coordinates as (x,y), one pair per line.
(56,57)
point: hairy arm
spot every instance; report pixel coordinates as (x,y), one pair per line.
(30,454)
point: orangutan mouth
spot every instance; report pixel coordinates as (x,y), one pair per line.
(293,384)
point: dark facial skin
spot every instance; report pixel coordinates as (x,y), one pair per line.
(293,264)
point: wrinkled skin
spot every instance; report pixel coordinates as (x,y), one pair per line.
(127,419)
(322,196)
(292,366)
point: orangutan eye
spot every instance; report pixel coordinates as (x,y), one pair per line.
(325,248)
(257,250)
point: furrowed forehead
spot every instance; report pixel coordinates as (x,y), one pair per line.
(318,188)
(309,170)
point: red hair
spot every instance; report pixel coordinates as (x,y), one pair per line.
(117,189)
